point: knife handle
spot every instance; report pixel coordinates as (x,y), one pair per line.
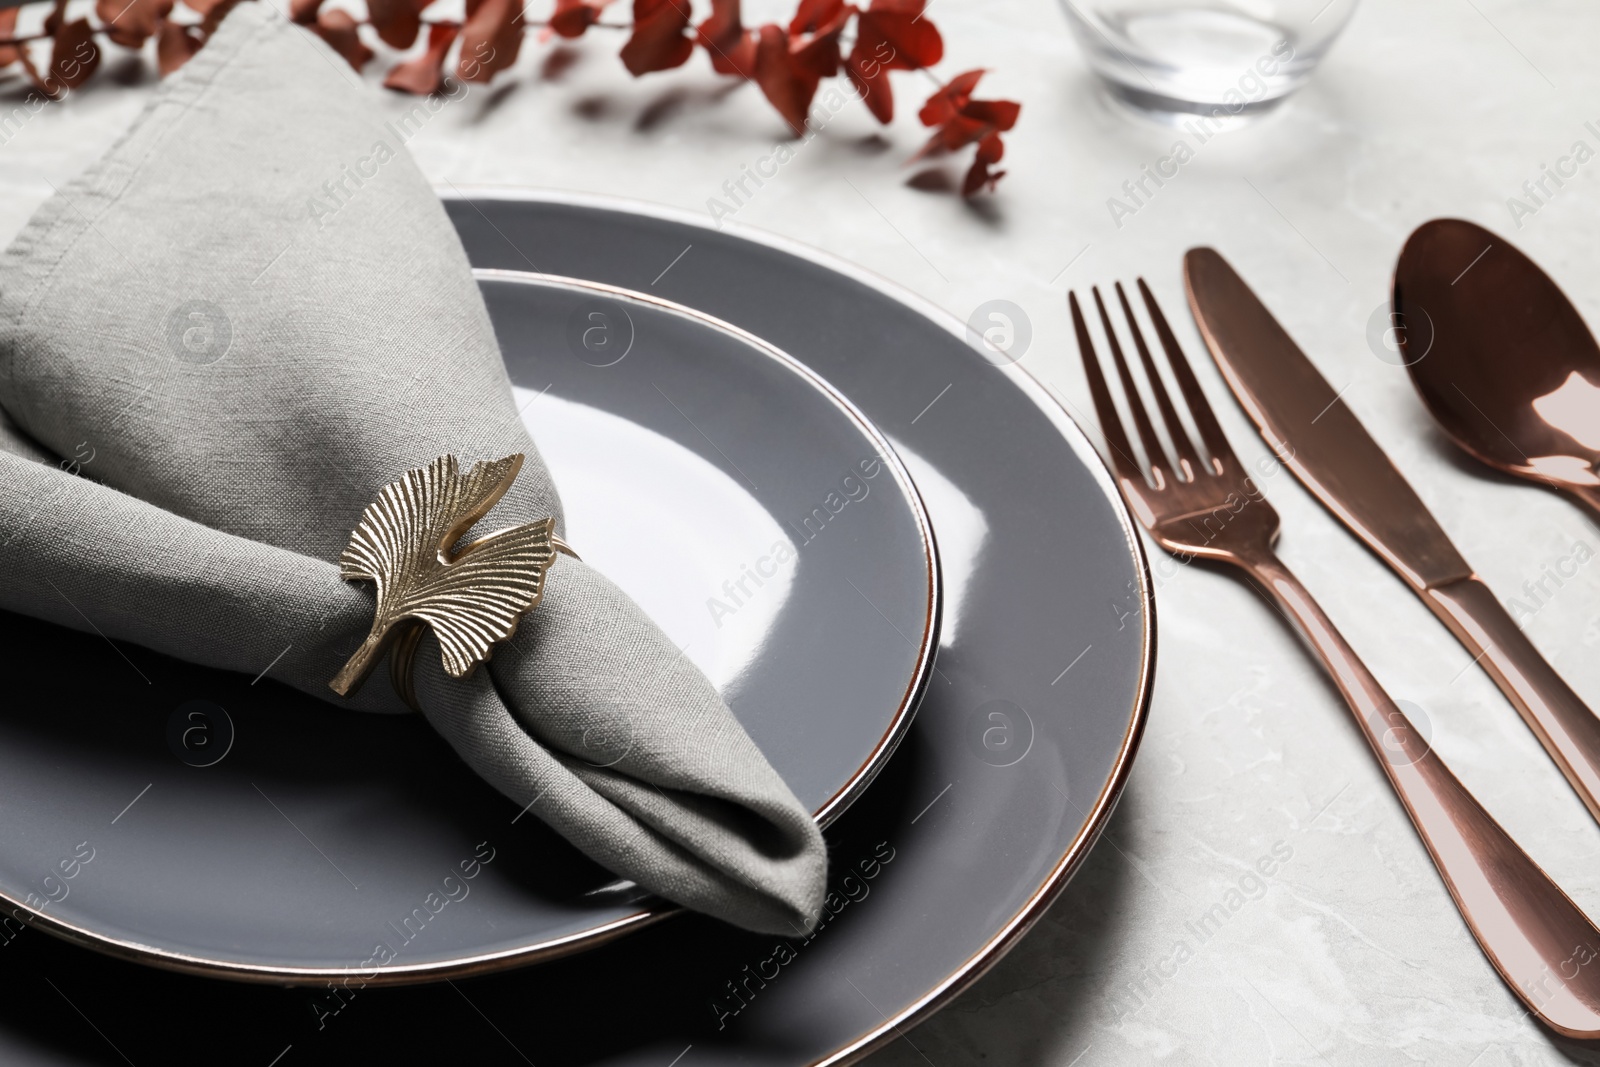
(1515,911)
(1566,727)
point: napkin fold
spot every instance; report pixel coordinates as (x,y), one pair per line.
(217,345)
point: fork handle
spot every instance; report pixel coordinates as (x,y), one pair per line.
(1560,719)
(1517,914)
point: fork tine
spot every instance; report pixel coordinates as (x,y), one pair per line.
(1122,458)
(1154,453)
(1188,456)
(1199,407)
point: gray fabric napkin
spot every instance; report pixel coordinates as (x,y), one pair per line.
(206,381)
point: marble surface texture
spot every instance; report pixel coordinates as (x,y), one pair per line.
(1349,952)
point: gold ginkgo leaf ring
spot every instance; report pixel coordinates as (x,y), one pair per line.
(470,597)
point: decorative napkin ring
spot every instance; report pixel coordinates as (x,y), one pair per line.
(471,597)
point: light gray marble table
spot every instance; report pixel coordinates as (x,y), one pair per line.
(1350,953)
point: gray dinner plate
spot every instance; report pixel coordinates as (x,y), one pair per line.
(747,507)
(1003,782)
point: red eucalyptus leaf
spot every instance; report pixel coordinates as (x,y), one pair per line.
(573,17)
(977,121)
(789,88)
(818,55)
(890,35)
(1001,114)
(911,39)
(980,177)
(339,29)
(175,45)
(957,133)
(490,39)
(871,78)
(57,17)
(658,41)
(990,150)
(732,49)
(741,58)
(814,14)
(397,21)
(724,25)
(943,105)
(9,53)
(73,57)
(131,22)
(424,74)
(303,11)
(789,66)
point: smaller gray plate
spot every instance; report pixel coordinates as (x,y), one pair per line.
(746,505)
(791,556)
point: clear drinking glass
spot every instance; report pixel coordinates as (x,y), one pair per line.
(1225,60)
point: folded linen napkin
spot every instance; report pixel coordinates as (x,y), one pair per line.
(207,381)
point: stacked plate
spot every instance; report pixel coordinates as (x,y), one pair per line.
(763,447)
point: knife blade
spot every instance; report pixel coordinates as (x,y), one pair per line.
(1314,433)
(1320,439)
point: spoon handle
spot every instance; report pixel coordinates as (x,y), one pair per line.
(1532,932)
(1566,727)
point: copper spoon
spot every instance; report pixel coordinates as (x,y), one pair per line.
(1502,359)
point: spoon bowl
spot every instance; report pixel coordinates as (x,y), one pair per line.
(1500,356)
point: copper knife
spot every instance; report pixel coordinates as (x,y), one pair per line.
(1319,438)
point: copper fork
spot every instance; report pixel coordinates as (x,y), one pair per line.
(1205,505)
